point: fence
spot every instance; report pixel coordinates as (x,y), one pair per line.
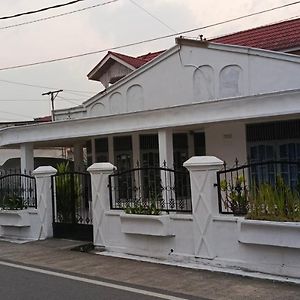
(17,191)
(150,190)
(71,196)
(260,189)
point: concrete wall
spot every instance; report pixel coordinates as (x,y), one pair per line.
(32,223)
(227,141)
(204,237)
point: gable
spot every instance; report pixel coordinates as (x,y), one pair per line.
(196,71)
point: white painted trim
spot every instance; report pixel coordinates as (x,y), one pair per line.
(231,109)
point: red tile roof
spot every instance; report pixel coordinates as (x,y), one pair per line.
(279,36)
(133,61)
(136,61)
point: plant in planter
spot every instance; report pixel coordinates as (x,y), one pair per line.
(274,202)
(236,193)
(144,207)
(12,202)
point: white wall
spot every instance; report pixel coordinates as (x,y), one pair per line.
(227,141)
(194,74)
(205,236)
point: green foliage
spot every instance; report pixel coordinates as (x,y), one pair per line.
(12,202)
(141,209)
(144,208)
(263,201)
(237,195)
(274,203)
(67,193)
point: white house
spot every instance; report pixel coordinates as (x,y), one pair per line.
(198,98)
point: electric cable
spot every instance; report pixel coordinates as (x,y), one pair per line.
(153,16)
(144,41)
(40,10)
(59,15)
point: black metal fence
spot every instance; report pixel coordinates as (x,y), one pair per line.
(260,189)
(150,190)
(17,191)
(72,198)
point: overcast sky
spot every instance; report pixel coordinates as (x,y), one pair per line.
(98,28)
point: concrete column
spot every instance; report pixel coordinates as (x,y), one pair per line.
(204,202)
(165,143)
(78,157)
(191,146)
(111,156)
(93,144)
(44,200)
(27,155)
(135,149)
(100,195)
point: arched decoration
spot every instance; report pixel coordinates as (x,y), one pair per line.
(204,83)
(98,109)
(231,79)
(117,104)
(135,98)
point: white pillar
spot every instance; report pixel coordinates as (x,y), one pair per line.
(135,149)
(78,157)
(93,145)
(165,143)
(111,157)
(204,202)
(100,198)
(191,145)
(27,161)
(44,200)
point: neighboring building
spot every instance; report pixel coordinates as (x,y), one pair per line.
(197,98)
(10,157)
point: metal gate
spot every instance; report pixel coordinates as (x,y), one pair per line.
(72,206)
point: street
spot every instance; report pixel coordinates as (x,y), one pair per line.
(19,282)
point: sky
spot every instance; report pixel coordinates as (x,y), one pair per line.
(102,27)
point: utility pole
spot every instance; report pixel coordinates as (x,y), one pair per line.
(53,95)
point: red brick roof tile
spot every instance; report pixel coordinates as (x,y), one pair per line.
(138,61)
(279,36)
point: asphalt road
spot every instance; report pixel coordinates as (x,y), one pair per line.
(21,284)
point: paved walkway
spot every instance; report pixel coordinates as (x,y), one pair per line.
(56,255)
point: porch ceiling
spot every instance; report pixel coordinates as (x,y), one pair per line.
(241,108)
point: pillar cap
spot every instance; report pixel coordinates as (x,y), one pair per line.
(101,168)
(44,171)
(203,162)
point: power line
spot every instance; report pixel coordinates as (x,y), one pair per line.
(14,114)
(147,40)
(47,87)
(68,100)
(23,100)
(150,14)
(40,10)
(37,100)
(59,15)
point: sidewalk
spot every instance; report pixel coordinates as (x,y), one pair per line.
(56,255)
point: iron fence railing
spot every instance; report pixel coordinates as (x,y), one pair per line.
(17,191)
(263,188)
(151,188)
